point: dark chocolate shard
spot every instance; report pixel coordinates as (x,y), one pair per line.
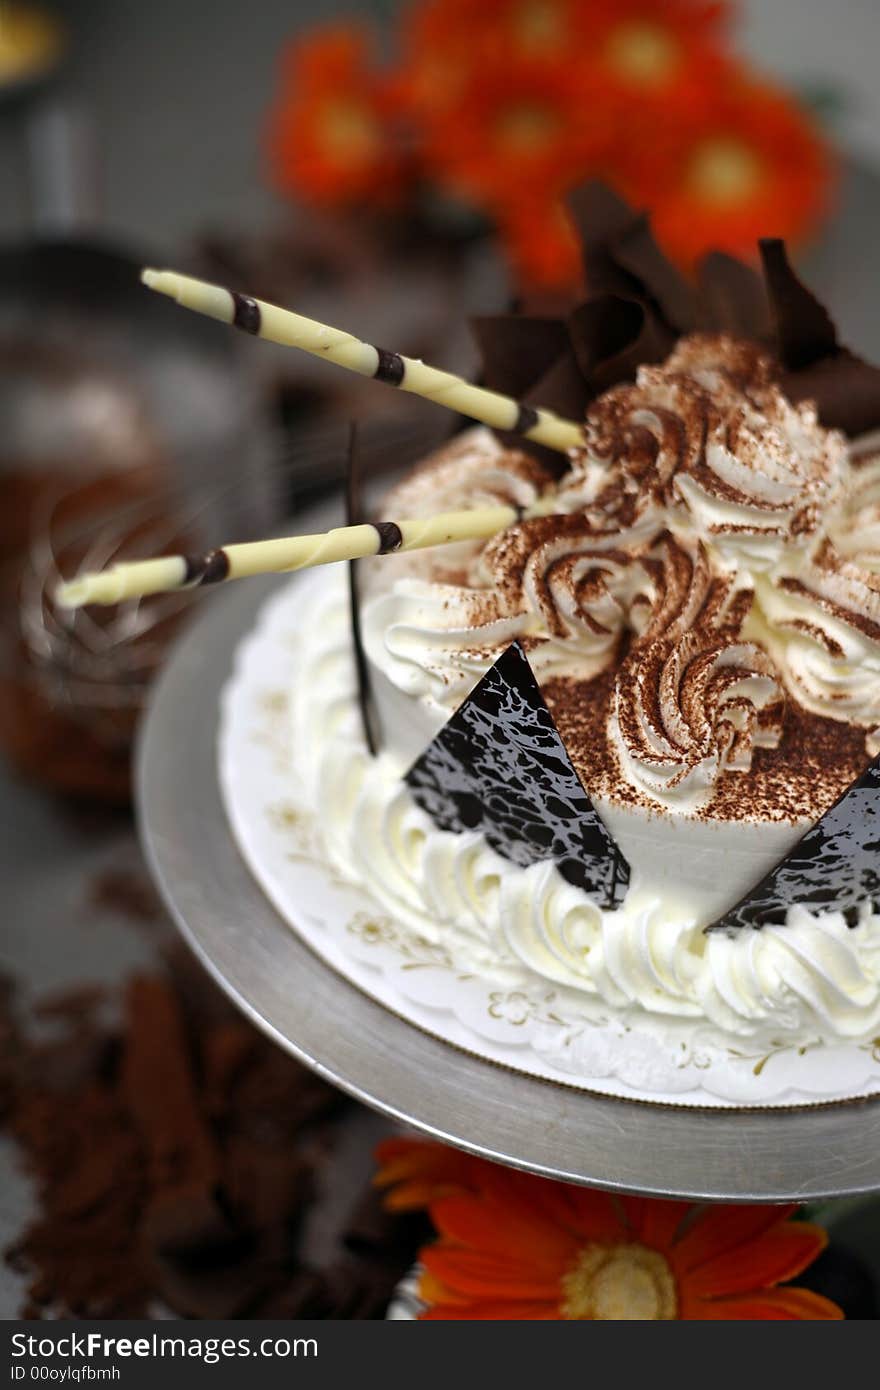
(846,390)
(517,349)
(802,327)
(499,766)
(815,366)
(601,217)
(835,866)
(612,337)
(353,517)
(733,298)
(657,279)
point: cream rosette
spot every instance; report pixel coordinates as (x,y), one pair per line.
(707,444)
(692,700)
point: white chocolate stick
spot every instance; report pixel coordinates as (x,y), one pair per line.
(138,578)
(293,330)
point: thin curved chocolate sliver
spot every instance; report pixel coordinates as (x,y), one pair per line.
(803,329)
(354,515)
(498,766)
(835,866)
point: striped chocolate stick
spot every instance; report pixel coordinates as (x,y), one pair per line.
(293,330)
(138,578)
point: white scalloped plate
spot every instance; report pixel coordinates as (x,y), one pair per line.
(517,1019)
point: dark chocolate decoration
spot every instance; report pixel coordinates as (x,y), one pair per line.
(835,866)
(353,517)
(846,390)
(246,313)
(193,568)
(733,298)
(500,767)
(816,367)
(215,567)
(561,355)
(390,536)
(390,368)
(802,328)
(526,419)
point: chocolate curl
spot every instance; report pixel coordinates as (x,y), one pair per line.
(845,388)
(612,337)
(536,354)
(803,329)
(733,298)
(621,257)
(638,306)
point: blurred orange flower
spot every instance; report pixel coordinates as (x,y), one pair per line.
(509,103)
(649,47)
(331,132)
(513,1246)
(517,130)
(540,243)
(735,163)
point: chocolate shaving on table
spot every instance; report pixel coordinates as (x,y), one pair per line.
(175,1154)
(353,517)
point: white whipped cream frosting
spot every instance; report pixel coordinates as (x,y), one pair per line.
(812,977)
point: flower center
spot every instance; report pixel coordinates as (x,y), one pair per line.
(724,170)
(538,24)
(643,52)
(349,130)
(619,1283)
(526,129)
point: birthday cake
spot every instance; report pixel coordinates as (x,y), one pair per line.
(629,745)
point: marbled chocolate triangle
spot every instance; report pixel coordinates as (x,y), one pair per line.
(499,766)
(835,866)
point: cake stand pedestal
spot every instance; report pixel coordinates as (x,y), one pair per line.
(664,1151)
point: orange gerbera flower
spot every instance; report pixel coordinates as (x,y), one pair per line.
(514,1246)
(647,47)
(517,130)
(737,161)
(331,135)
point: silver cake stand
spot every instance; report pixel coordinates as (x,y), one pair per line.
(355,1043)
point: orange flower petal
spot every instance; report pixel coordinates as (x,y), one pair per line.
(477,1275)
(496,1311)
(771,1305)
(421,1171)
(432,1291)
(505,1229)
(723,1228)
(653,1221)
(778,1255)
(590,1215)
